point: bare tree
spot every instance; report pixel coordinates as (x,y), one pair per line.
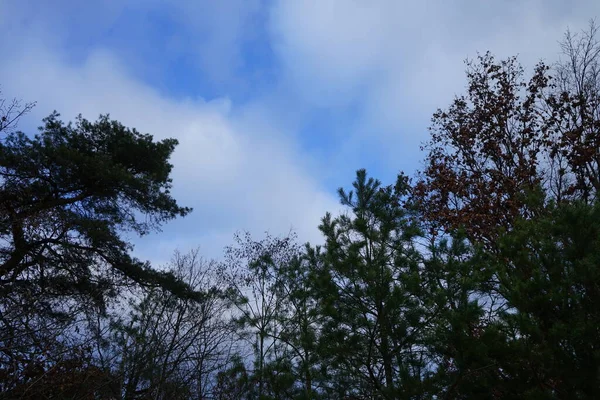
(10,113)
(173,348)
(252,269)
(576,108)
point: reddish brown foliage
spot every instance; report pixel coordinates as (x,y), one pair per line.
(509,138)
(484,149)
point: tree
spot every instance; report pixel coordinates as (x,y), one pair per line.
(510,139)
(68,192)
(548,272)
(484,154)
(253,270)
(515,164)
(575,108)
(367,285)
(66,196)
(464,339)
(167,347)
(233,383)
(10,113)
(300,324)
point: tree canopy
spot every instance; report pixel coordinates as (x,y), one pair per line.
(68,193)
(477,278)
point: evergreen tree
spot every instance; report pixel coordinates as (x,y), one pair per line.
(67,195)
(549,276)
(367,277)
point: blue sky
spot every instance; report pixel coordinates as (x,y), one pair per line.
(275,103)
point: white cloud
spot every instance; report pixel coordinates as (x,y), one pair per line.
(390,62)
(403,59)
(230,165)
(332,45)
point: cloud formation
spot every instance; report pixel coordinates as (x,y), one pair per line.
(271,101)
(404,59)
(234,168)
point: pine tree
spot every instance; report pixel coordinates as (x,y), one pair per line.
(367,280)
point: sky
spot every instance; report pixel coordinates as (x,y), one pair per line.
(275,103)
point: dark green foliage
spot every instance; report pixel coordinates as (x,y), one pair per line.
(462,337)
(549,276)
(66,196)
(367,283)
(300,321)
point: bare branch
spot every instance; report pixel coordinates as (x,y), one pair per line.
(10,113)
